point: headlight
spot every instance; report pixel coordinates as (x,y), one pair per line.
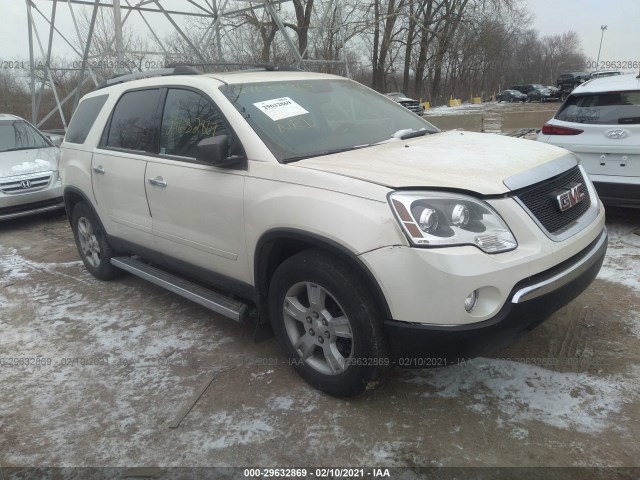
(436,219)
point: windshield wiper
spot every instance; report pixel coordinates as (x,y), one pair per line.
(326,152)
(417,133)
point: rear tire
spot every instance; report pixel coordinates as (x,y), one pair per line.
(93,247)
(326,323)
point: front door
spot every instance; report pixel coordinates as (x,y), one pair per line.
(197,209)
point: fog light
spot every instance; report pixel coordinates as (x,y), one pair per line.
(471,300)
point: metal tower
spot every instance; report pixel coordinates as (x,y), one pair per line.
(215,16)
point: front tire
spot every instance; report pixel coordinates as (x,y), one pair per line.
(94,250)
(326,323)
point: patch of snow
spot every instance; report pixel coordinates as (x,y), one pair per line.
(13,266)
(385,453)
(284,402)
(237,429)
(463,109)
(261,375)
(37,165)
(525,393)
(622,253)
(519,433)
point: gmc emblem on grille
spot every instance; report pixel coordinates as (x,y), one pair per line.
(25,184)
(569,196)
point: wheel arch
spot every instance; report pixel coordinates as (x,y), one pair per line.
(277,245)
(72,196)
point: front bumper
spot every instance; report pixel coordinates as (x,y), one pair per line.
(531,302)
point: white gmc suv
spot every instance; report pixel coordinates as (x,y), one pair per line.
(355,229)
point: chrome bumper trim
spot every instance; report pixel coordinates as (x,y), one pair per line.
(566,276)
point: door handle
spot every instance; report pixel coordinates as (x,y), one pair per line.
(158,182)
(99,169)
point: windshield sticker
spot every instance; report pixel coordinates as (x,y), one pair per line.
(280,108)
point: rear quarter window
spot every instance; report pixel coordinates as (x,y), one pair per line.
(609,108)
(84,118)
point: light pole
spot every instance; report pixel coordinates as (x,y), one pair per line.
(603,28)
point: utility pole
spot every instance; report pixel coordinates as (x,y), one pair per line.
(603,28)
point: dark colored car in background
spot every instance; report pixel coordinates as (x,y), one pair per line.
(540,95)
(568,81)
(511,96)
(571,79)
(555,91)
(531,86)
(414,105)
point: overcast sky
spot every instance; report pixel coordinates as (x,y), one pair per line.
(621,39)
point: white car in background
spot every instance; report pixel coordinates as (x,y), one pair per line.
(29,181)
(600,122)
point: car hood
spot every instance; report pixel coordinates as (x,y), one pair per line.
(24,162)
(477,162)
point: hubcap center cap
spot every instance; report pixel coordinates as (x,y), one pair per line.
(318,326)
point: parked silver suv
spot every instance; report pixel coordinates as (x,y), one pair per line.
(354,228)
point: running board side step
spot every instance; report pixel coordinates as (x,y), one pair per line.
(210,299)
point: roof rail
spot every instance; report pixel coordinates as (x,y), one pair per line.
(159,72)
(262,66)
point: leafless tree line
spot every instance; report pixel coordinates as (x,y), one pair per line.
(429,49)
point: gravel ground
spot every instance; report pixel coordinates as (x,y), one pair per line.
(114,368)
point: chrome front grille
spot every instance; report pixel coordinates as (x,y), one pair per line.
(413,106)
(541,201)
(25,183)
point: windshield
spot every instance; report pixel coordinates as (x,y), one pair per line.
(307,118)
(612,108)
(19,135)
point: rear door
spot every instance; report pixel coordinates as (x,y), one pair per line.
(610,142)
(197,209)
(119,163)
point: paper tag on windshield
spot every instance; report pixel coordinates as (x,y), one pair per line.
(280,108)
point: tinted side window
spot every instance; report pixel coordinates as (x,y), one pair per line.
(83,118)
(134,121)
(188,118)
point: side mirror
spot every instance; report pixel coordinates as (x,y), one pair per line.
(215,150)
